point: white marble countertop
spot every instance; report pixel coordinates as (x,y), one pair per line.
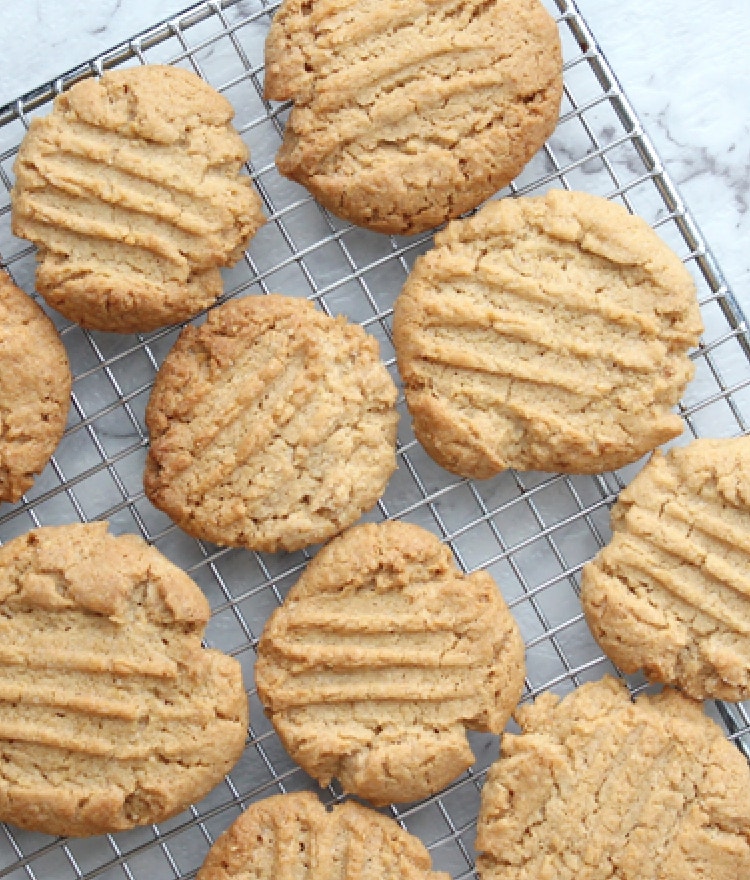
(683,63)
(685,67)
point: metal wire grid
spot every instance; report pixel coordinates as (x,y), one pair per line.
(533,532)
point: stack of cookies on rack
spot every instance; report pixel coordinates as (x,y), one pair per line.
(549,333)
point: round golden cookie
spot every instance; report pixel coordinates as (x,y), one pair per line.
(381,658)
(131,191)
(599,788)
(35,386)
(272,426)
(546,334)
(408,114)
(112,715)
(670,593)
(292,836)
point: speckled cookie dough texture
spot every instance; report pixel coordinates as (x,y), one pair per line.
(670,593)
(409,112)
(34,390)
(599,788)
(112,715)
(131,191)
(273,426)
(546,334)
(381,658)
(293,836)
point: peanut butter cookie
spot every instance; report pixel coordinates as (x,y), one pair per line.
(408,114)
(292,836)
(272,426)
(599,788)
(546,334)
(381,657)
(130,190)
(112,715)
(671,593)
(35,385)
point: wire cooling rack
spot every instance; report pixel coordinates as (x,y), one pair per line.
(533,532)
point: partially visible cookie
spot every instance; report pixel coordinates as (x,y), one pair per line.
(546,334)
(599,788)
(408,114)
(131,191)
(272,426)
(112,715)
(381,658)
(670,593)
(35,385)
(293,836)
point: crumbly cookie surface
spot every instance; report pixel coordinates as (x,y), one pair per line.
(599,788)
(290,836)
(35,385)
(381,657)
(131,191)
(407,114)
(111,713)
(272,426)
(545,334)
(670,593)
